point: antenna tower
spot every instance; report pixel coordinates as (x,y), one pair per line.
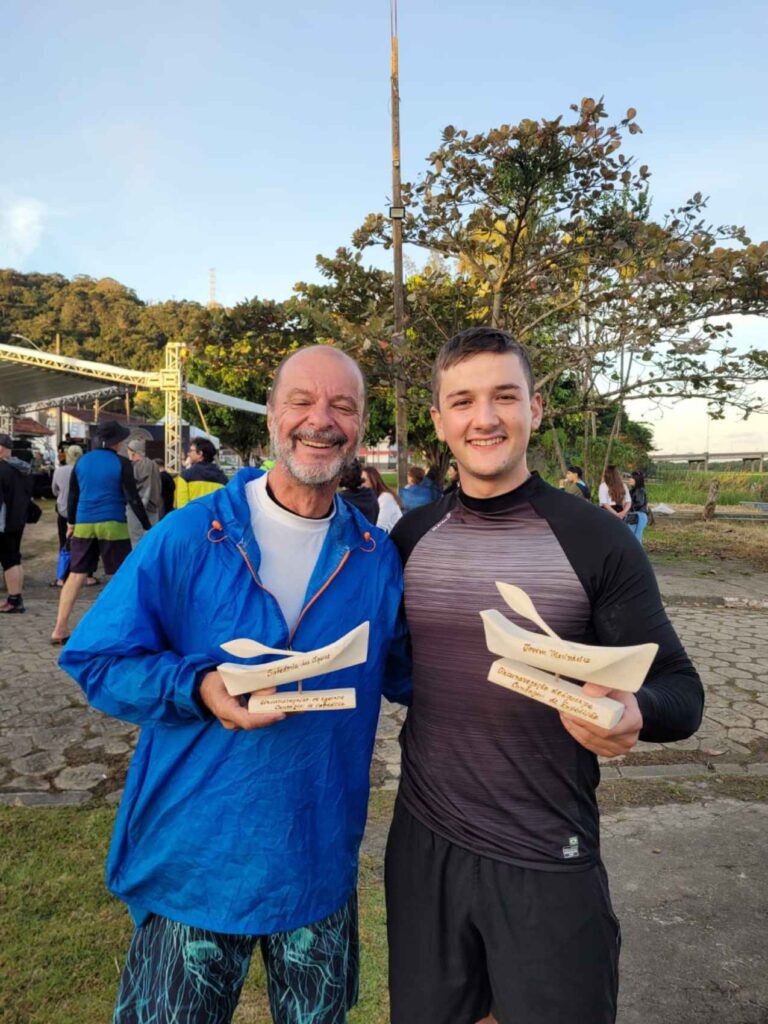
(212,303)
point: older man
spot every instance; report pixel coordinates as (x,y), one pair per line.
(149,485)
(238,829)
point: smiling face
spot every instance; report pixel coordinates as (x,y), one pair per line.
(316,415)
(486,416)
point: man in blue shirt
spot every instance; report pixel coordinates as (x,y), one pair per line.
(239,829)
(101,484)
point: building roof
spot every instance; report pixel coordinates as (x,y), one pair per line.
(28,427)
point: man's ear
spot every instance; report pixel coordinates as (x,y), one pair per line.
(537,411)
(437,419)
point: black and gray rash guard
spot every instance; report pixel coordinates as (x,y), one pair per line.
(489,769)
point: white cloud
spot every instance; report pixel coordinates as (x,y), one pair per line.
(22,222)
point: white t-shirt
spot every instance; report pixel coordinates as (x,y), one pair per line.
(290,546)
(389,512)
(604,495)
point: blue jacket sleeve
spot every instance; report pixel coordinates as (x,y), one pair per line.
(121,653)
(397,686)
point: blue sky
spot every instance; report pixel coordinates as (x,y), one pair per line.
(151,141)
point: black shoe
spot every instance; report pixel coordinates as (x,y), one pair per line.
(12,606)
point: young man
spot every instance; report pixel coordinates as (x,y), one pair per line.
(241,830)
(573,483)
(496,895)
(15,495)
(202,476)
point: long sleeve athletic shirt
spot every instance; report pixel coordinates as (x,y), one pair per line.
(489,769)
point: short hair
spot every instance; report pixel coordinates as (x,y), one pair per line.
(73,453)
(351,478)
(577,470)
(416,473)
(206,448)
(473,342)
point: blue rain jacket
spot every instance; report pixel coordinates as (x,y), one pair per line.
(240,832)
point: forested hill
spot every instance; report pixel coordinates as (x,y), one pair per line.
(97,319)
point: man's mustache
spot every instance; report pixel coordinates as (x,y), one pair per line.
(321,436)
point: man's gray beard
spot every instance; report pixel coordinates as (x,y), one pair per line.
(318,476)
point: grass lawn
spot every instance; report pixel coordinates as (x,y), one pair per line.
(64,936)
(709,542)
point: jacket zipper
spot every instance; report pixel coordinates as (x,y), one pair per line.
(309,603)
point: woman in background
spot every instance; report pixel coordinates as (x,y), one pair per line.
(353,489)
(390,508)
(613,493)
(637,519)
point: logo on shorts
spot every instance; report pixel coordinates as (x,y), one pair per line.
(572,849)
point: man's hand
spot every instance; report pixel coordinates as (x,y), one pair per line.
(228,710)
(607,742)
(70,532)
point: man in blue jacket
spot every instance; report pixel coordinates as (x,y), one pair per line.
(238,828)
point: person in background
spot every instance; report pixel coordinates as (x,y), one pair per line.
(637,517)
(203,475)
(167,489)
(573,483)
(613,494)
(451,478)
(60,488)
(15,496)
(432,480)
(390,507)
(99,487)
(147,477)
(417,491)
(358,493)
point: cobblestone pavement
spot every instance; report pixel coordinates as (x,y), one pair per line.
(56,750)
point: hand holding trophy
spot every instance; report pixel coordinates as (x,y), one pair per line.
(294,667)
(532,663)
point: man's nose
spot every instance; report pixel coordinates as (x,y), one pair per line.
(485,415)
(321,414)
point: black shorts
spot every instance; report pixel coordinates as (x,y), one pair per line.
(10,549)
(468,934)
(85,551)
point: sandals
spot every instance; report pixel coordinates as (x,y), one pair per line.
(12,609)
(58,641)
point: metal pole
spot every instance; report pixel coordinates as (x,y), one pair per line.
(396,218)
(59,411)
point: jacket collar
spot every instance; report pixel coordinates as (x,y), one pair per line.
(230,508)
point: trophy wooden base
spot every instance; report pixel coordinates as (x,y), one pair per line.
(303,700)
(556,693)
